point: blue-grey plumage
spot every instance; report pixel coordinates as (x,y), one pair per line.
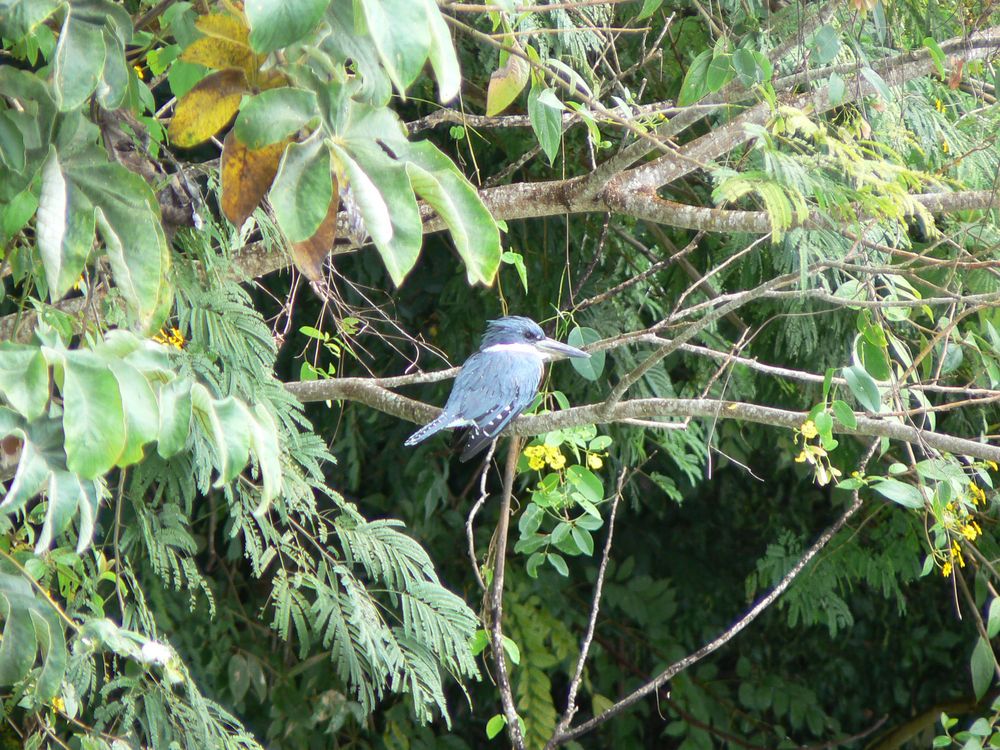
(496,383)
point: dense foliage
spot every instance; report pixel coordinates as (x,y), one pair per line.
(241,240)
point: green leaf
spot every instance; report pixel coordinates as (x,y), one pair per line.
(546,121)
(583,540)
(473,229)
(229,422)
(993,618)
(175,417)
(695,84)
(375,212)
(24,379)
(907,495)
(752,67)
(982,666)
(394,182)
(720,72)
(530,520)
(879,84)
(875,360)
(239,677)
(265,446)
(495,725)
(511,649)
(588,483)
(402,36)
(590,368)
(79,61)
(20,17)
(864,388)
(30,626)
(556,561)
(273,115)
(62,497)
(93,416)
(12,152)
(516,260)
(836,88)
(65,228)
(442,55)
(277,23)
(302,189)
(844,414)
(825,45)
(142,415)
(129,221)
(937,55)
(649,7)
(824,424)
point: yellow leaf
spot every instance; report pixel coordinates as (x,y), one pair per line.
(246,176)
(204,110)
(505,84)
(226,27)
(218,54)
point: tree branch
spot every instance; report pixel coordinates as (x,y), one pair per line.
(371,393)
(679,666)
(496,601)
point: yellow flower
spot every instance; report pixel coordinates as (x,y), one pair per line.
(809,430)
(594,461)
(938,105)
(138,72)
(971,530)
(945,147)
(557,461)
(977,494)
(801,458)
(946,569)
(58,704)
(536,463)
(993,465)
(175,338)
(534,451)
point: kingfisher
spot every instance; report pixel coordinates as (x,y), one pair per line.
(497,382)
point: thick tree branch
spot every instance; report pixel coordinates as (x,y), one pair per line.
(632,191)
(371,393)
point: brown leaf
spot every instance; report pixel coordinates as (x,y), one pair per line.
(219,54)
(310,254)
(204,110)
(246,176)
(955,77)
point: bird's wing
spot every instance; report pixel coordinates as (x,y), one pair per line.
(497,387)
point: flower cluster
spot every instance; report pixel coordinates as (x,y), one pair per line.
(962,525)
(814,454)
(540,455)
(175,338)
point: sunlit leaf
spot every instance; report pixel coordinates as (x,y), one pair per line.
(506,82)
(246,176)
(302,189)
(278,23)
(207,108)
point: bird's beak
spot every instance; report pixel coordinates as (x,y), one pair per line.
(557,349)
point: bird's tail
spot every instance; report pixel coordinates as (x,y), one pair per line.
(429,429)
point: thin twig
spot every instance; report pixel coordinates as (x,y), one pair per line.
(470,537)
(496,601)
(574,686)
(674,669)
